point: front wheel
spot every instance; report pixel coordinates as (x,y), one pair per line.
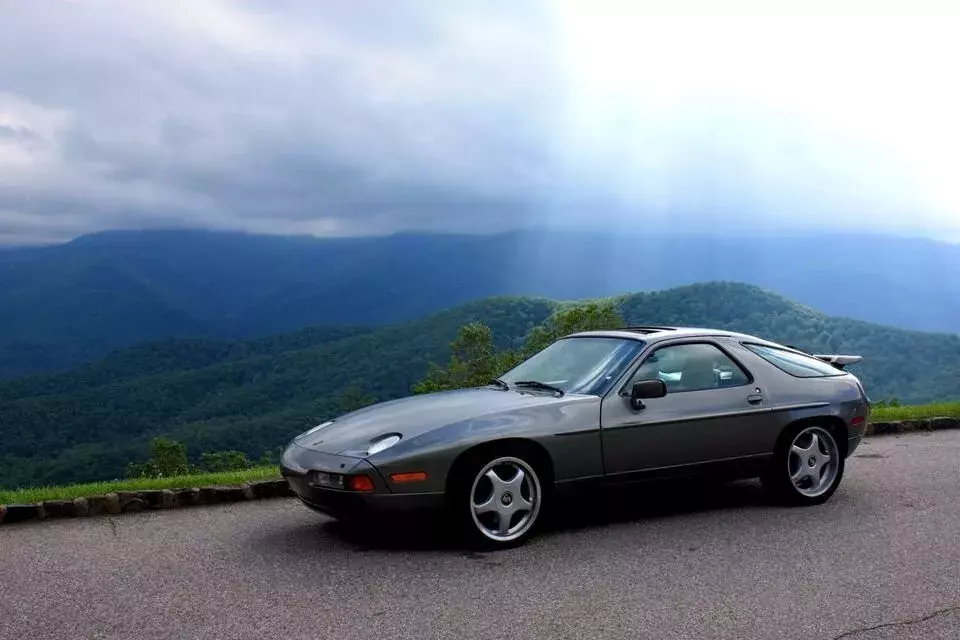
(499,500)
(807,466)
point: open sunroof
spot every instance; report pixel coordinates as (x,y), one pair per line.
(647,329)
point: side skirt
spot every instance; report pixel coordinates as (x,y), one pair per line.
(720,470)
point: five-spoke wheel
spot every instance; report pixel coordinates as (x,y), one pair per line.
(500,498)
(812,461)
(807,466)
(505,499)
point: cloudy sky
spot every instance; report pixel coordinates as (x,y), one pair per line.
(342,117)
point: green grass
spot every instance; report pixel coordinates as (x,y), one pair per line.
(39,494)
(916,412)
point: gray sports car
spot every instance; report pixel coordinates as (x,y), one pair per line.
(594,407)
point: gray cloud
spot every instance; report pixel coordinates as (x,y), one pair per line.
(273,117)
(327,117)
(18,134)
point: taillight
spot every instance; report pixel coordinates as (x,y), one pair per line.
(360,483)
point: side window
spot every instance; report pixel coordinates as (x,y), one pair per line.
(795,364)
(691,367)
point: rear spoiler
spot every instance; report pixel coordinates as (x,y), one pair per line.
(838,361)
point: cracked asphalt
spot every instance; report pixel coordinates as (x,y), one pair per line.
(881,560)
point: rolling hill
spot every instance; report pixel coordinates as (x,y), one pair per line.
(64,305)
(253,395)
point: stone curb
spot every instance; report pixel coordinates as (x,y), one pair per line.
(910,426)
(148,500)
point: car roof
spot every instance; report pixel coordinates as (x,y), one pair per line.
(655,333)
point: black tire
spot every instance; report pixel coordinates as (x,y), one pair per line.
(815,480)
(471,482)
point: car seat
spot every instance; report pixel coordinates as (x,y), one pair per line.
(698,373)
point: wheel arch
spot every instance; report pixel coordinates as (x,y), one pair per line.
(539,457)
(834,423)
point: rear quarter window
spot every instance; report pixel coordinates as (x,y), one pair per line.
(796,364)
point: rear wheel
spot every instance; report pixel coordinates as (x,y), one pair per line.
(498,499)
(807,466)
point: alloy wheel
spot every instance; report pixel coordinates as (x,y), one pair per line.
(505,499)
(812,461)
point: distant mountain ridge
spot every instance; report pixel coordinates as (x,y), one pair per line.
(253,395)
(68,304)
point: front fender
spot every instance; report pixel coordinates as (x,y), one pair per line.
(569,431)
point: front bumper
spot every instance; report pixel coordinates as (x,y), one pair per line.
(299,464)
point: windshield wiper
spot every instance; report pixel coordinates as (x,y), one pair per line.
(536,384)
(500,383)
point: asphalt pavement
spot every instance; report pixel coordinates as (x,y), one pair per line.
(881,560)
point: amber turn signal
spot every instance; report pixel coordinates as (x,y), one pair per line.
(413,476)
(360,483)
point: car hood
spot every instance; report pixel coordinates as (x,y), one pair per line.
(350,434)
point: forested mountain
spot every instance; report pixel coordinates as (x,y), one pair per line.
(253,395)
(64,305)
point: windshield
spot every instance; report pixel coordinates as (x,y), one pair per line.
(577,365)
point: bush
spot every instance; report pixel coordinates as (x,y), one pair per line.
(224,461)
(167,458)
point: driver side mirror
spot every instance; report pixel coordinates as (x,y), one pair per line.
(645,389)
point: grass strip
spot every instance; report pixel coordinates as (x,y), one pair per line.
(915,412)
(39,494)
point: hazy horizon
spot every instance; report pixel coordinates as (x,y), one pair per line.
(719,234)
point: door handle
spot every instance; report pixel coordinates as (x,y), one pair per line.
(755,398)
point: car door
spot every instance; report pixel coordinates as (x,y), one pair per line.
(713,410)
